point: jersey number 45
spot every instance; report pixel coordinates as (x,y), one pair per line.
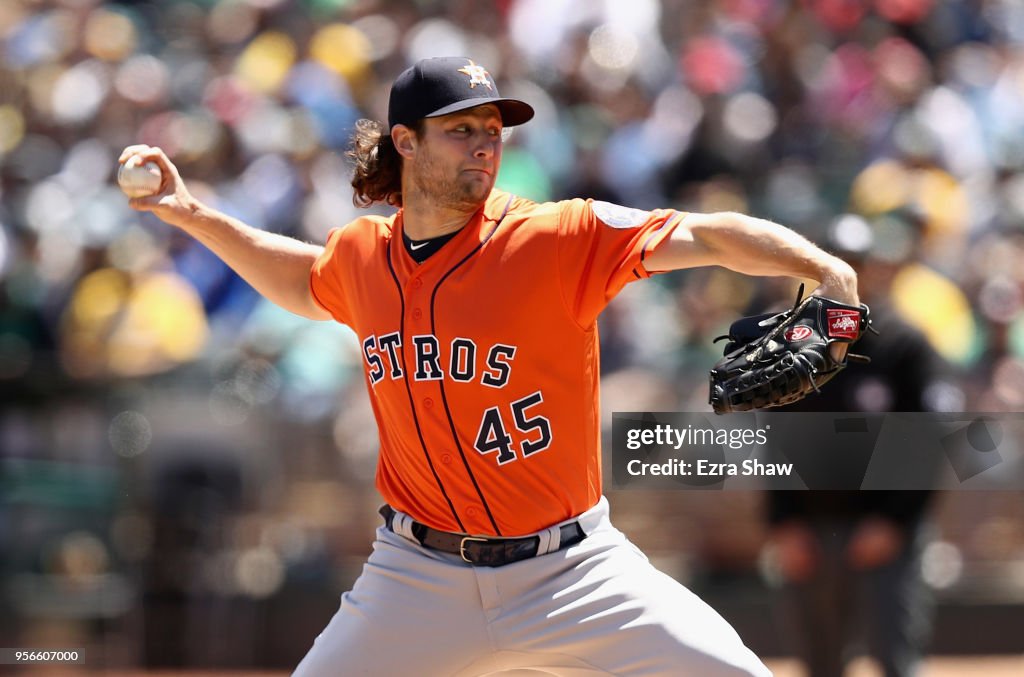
(493,436)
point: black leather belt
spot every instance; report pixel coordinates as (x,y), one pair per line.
(484,551)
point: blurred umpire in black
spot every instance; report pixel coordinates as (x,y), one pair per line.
(850,561)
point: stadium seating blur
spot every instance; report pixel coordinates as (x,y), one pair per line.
(186,472)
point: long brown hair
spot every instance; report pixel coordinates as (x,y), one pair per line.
(378,166)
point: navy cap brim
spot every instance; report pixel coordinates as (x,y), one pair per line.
(444,85)
(513,111)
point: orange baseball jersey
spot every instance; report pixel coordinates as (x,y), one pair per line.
(482,361)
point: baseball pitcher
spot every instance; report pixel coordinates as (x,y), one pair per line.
(477,314)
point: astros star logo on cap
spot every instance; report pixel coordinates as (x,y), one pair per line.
(477,75)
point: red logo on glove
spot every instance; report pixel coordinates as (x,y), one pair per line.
(843,323)
(797,333)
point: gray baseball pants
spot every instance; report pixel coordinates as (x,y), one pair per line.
(595,608)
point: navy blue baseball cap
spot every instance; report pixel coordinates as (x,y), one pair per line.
(443,85)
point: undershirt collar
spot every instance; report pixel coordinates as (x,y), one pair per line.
(421,250)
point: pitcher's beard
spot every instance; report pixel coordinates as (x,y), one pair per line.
(462,193)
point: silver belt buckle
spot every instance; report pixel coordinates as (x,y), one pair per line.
(462,546)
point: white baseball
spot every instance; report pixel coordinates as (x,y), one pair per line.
(139,180)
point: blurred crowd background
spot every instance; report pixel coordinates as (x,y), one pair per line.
(186,471)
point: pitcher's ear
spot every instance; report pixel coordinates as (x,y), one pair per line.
(404,139)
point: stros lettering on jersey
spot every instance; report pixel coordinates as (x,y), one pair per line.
(482,362)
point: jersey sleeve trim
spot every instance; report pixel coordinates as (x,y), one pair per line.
(652,241)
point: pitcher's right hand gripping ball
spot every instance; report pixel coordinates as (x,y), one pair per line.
(772,360)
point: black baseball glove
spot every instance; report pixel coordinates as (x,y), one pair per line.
(772,360)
